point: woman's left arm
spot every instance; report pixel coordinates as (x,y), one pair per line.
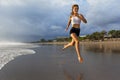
(82,18)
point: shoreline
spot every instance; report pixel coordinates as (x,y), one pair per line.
(54,63)
(81,42)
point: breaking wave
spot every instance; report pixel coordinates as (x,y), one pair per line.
(9,51)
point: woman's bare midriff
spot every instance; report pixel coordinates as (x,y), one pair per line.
(76,25)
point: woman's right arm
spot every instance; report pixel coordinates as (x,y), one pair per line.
(69,22)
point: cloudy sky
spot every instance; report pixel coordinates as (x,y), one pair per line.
(31,20)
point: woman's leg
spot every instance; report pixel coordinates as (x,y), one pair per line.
(69,44)
(75,38)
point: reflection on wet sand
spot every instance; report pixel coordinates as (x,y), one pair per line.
(103,47)
(51,63)
(69,77)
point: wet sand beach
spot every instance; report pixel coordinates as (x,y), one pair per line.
(50,62)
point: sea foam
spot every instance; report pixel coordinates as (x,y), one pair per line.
(10,51)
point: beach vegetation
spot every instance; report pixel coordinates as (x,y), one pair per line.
(95,36)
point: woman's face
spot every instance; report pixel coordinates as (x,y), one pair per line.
(75,9)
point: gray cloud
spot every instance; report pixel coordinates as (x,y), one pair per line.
(103,14)
(28,20)
(23,20)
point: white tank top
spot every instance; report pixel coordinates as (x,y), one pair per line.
(75,20)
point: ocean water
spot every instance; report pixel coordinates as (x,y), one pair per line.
(9,51)
(50,62)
